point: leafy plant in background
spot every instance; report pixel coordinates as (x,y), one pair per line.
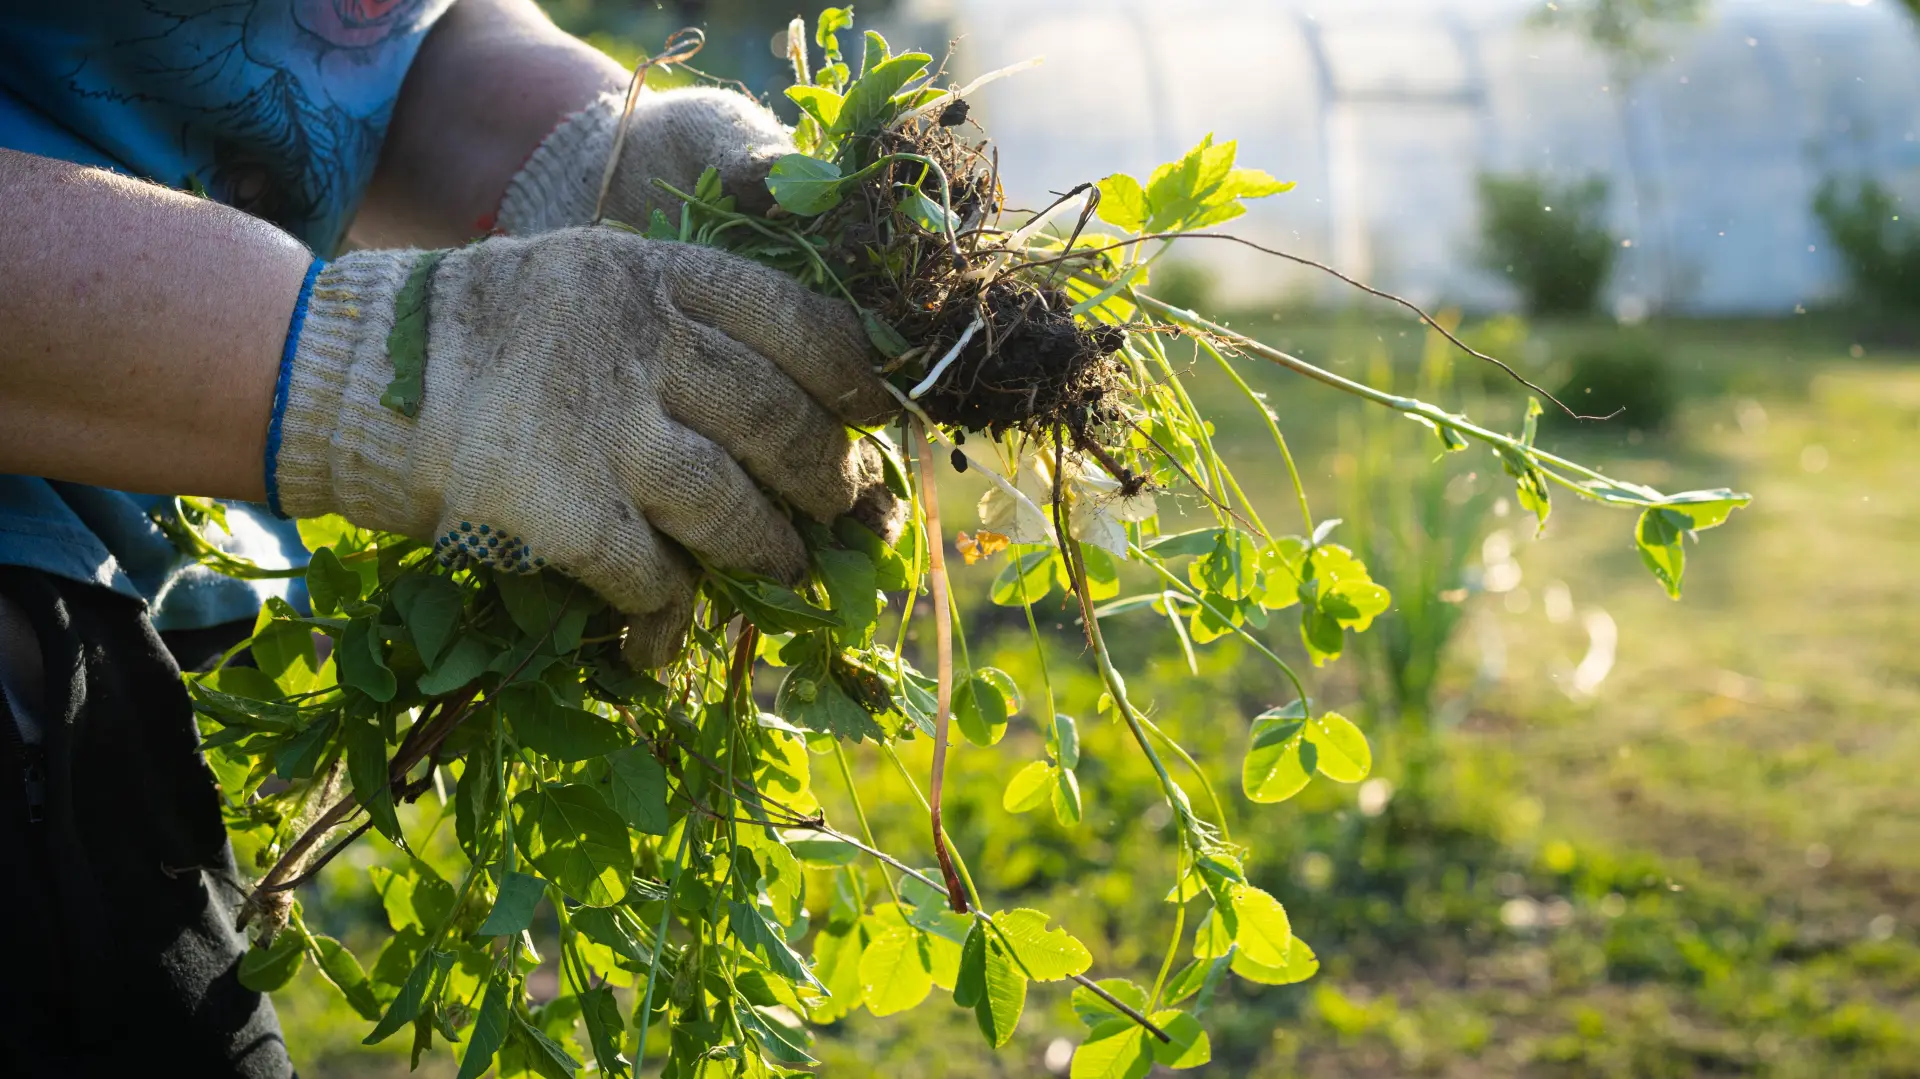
(1626,379)
(1416,525)
(706,907)
(1881,252)
(1549,239)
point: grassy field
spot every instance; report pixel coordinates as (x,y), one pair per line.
(1706,863)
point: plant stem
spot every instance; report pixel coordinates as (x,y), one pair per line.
(1273,428)
(860,812)
(943,650)
(1616,492)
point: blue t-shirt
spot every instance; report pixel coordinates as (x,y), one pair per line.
(276,107)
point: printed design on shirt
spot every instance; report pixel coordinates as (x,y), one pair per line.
(278,105)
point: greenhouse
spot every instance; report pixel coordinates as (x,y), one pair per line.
(1385,111)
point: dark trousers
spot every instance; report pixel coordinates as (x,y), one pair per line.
(117,886)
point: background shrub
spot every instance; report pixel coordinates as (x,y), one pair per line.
(1627,374)
(1550,239)
(1881,252)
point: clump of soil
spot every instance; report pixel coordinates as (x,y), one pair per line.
(1031,367)
(1030,364)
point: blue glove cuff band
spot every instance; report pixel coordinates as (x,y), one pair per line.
(280,386)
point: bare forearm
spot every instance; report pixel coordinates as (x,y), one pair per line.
(140,332)
(492,79)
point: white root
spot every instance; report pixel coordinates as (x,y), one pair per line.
(940,368)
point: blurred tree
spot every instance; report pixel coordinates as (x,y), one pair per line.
(1621,26)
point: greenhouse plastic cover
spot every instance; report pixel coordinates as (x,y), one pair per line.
(1385,111)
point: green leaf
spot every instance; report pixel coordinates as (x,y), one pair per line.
(852,588)
(407,341)
(836,962)
(361,663)
(602,926)
(1003,994)
(1344,756)
(1320,631)
(824,31)
(1103,574)
(1116,1049)
(1063,740)
(1123,202)
(1199,541)
(520,894)
(981,707)
(869,101)
(1066,797)
(264,970)
(416,898)
(773,608)
(427,972)
(804,185)
(546,1056)
(1530,484)
(1031,570)
(1252,184)
(1230,568)
(545,607)
(889,343)
(460,665)
(606,1029)
(344,971)
(1047,954)
(756,935)
(818,850)
(1301,964)
(1706,509)
(820,103)
(552,729)
(1263,931)
(430,606)
(811,698)
(1094,1010)
(777,1041)
(1661,535)
(889,570)
(1273,770)
(970,981)
(1190,1046)
(1029,787)
(367,769)
(896,970)
(575,841)
(876,52)
(330,585)
(489,1028)
(637,789)
(926,213)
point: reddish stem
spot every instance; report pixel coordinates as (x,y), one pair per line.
(943,651)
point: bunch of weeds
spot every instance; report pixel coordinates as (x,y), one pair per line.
(669,818)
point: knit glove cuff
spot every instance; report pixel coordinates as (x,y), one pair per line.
(341,450)
(559,184)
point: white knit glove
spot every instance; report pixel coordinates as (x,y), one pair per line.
(673,135)
(590,399)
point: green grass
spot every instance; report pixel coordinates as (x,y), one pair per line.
(1710,866)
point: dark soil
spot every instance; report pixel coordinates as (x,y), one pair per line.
(1031,364)
(1031,367)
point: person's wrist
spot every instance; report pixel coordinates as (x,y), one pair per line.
(334,447)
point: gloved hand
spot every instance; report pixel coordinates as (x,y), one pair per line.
(673,135)
(590,399)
